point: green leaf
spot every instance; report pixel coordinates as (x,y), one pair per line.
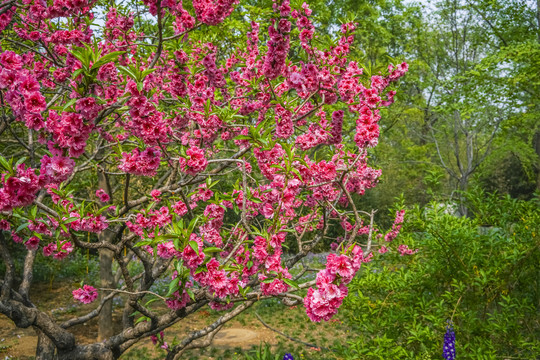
(69,104)
(20,161)
(243,137)
(80,53)
(22,226)
(212,249)
(193,244)
(146,72)
(290,283)
(106,59)
(142,318)
(192,224)
(200,270)
(173,287)
(126,71)
(191,294)
(77,73)
(33,212)
(151,301)
(143,243)
(5,164)
(166,237)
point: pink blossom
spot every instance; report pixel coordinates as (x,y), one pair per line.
(180,208)
(396,227)
(35,102)
(69,131)
(177,301)
(32,243)
(10,60)
(219,306)
(404,250)
(103,196)
(86,294)
(340,265)
(155,338)
(167,250)
(284,123)
(49,249)
(143,163)
(56,169)
(4,225)
(213,12)
(88,108)
(275,287)
(278,48)
(20,189)
(195,162)
(155,194)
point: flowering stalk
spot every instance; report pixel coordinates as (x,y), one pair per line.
(449,346)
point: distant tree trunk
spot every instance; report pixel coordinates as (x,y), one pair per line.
(462,186)
(536,144)
(105,323)
(538,18)
(536,141)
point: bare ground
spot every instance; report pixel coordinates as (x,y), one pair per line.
(241,334)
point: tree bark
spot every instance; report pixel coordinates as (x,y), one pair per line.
(536,144)
(45,347)
(105,322)
(463,185)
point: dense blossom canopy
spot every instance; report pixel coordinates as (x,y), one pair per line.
(155,125)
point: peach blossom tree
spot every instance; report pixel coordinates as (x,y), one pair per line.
(201,163)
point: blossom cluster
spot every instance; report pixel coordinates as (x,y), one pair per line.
(196,161)
(213,12)
(396,227)
(19,189)
(86,294)
(323,303)
(57,252)
(143,163)
(278,43)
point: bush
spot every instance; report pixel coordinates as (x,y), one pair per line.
(481,272)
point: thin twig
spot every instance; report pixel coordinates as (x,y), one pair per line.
(290,337)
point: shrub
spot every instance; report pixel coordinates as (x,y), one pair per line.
(481,272)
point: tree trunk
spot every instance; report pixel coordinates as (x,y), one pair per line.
(45,347)
(105,323)
(536,144)
(462,186)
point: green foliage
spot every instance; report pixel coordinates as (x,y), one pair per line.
(263,353)
(482,272)
(79,265)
